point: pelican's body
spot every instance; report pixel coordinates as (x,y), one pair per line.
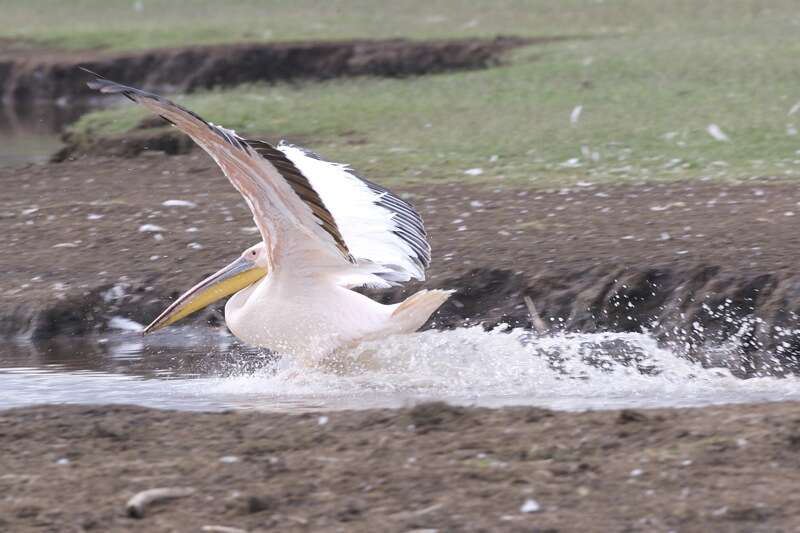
(287,313)
(311,318)
(324,230)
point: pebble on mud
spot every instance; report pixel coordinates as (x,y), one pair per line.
(222,529)
(178,203)
(256,504)
(150,228)
(530,506)
(137,505)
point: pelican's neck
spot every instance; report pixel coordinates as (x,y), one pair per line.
(238,300)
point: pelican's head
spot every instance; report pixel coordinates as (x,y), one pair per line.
(250,267)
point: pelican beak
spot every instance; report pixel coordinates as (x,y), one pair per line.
(233,278)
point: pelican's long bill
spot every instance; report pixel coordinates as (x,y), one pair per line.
(233,278)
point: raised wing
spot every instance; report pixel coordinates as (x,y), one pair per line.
(295,195)
(289,213)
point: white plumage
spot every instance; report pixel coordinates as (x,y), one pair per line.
(324,229)
(372,221)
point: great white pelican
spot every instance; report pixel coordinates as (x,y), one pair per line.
(324,231)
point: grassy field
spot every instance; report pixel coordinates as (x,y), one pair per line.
(129,24)
(649,83)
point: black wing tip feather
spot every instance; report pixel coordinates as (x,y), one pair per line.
(106,86)
(411,228)
(103,84)
(97,77)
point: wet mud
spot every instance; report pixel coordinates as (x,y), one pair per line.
(430,467)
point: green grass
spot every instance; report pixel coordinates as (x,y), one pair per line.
(119,24)
(648,97)
(137,24)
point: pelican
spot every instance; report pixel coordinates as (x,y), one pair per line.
(324,231)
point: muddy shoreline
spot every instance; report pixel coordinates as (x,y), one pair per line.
(699,264)
(30,78)
(734,468)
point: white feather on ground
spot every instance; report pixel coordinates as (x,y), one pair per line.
(575,116)
(717,133)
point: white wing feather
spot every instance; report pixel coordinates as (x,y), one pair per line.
(375,234)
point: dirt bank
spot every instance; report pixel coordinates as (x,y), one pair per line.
(432,467)
(49,76)
(698,263)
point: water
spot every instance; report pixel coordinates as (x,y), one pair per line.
(32,134)
(18,149)
(193,371)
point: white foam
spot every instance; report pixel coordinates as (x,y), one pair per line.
(124,324)
(472,366)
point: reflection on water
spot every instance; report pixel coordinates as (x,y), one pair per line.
(209,371)
(17,150)
(31,133)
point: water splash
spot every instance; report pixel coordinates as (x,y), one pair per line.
(473,366)
(464,366)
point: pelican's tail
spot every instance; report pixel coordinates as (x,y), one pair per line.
(415,310)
